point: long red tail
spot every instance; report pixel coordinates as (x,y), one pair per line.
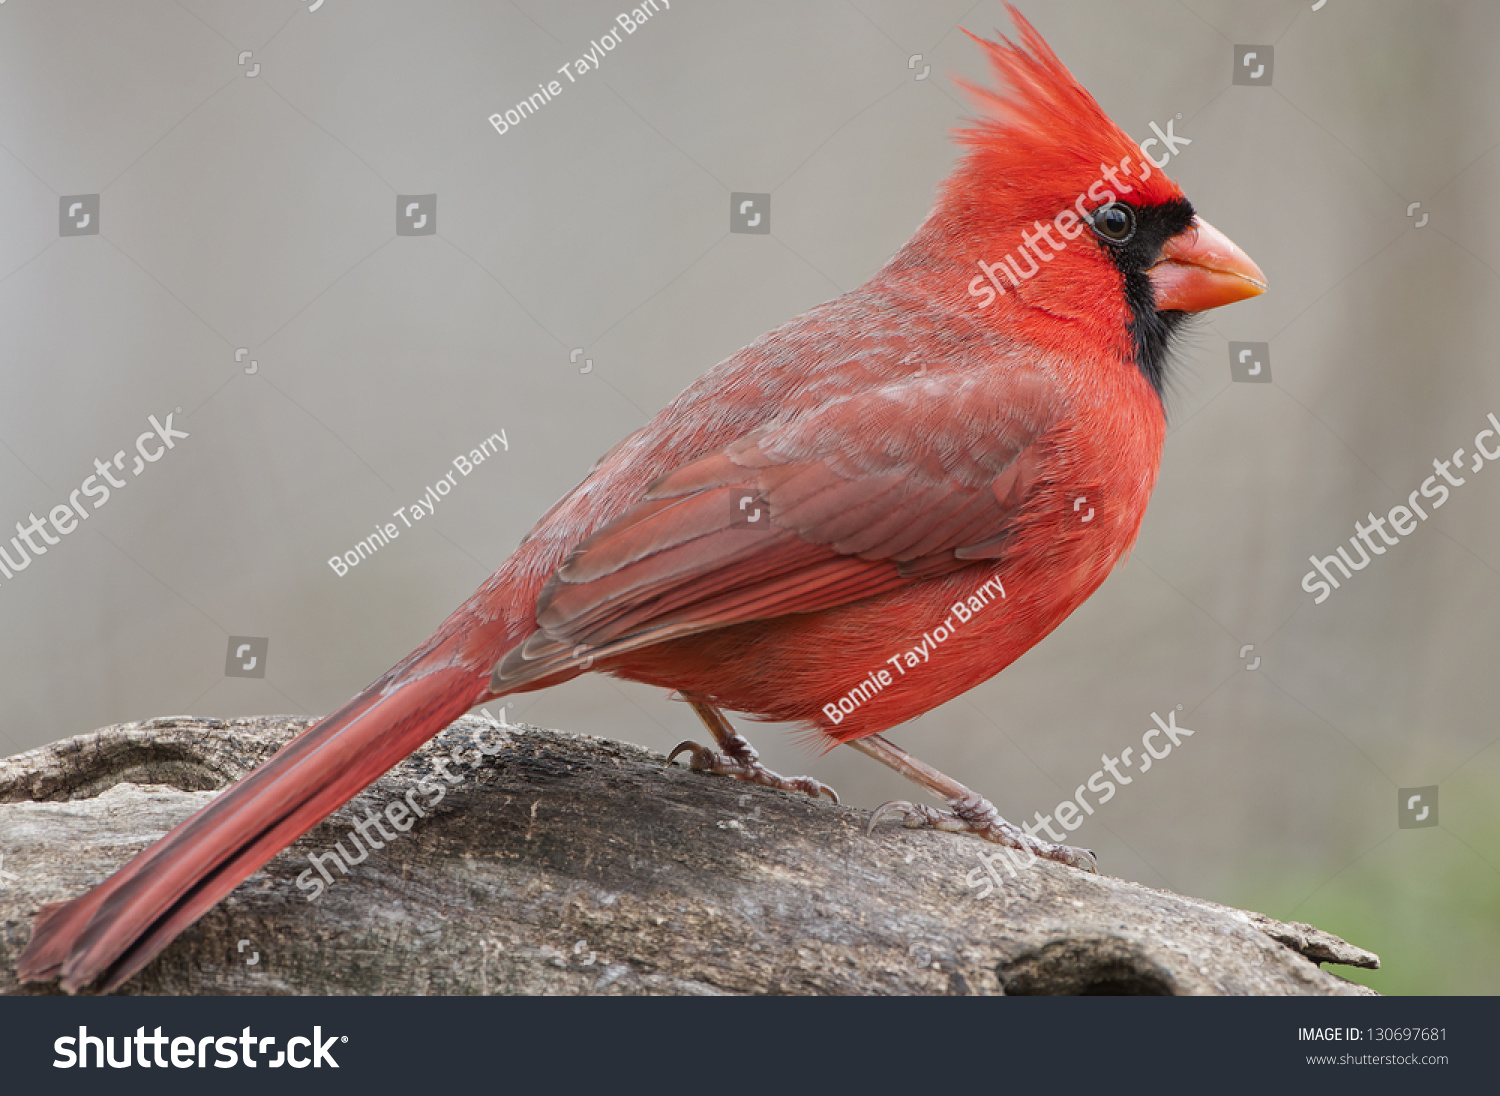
(118,927)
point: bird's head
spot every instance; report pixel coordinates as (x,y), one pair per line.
(1069,229)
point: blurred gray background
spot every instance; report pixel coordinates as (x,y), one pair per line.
(259,212)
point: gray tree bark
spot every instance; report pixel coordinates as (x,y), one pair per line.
(557,863)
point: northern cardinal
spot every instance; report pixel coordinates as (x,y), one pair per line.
(915,450)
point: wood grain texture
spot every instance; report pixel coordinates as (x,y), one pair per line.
(559,863)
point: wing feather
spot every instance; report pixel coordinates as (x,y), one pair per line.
(872,491)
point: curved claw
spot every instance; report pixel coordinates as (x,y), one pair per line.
(1084,861)
(812,788)
(895,806)
(687,745)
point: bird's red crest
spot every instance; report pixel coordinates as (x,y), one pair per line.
(1041,129)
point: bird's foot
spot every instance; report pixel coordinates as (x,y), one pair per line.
(741,761)
(977,815)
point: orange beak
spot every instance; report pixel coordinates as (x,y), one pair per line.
(1201,268)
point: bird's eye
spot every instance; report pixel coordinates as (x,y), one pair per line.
(1113,223)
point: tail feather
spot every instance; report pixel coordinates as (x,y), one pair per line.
(118,927)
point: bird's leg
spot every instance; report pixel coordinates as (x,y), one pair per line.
(968,811)
(737,758)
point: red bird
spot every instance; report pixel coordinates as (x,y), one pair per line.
(916,447)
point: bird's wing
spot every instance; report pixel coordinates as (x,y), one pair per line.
(867,493)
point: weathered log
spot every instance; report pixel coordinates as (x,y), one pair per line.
(556,863)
